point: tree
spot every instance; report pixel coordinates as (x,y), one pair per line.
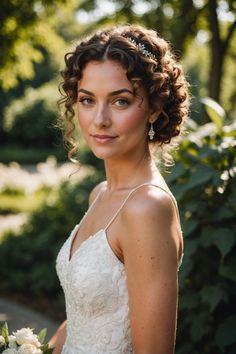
(219,47)
(26,26)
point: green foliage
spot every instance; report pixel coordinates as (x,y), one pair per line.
(26,26)
(215,112)
(27,261)
(13,200)
(25,156)
(42,335)
(12,191)
(30,121)
(204,183)
(4,332)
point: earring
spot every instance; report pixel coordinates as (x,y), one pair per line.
(151,132)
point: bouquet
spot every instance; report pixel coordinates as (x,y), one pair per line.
(23,341)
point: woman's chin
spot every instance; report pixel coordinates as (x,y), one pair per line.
(104,155)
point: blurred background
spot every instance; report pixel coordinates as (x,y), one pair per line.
(41,199)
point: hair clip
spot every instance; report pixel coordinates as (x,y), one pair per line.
(142,48)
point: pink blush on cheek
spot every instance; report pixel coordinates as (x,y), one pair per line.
(133,121)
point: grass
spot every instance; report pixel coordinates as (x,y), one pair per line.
(13,201)
(19,203)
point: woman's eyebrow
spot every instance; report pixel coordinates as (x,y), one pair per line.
(86,91)
(113,93)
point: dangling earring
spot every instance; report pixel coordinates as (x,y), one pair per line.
(151,132)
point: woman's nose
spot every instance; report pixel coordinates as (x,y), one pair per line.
(102,117)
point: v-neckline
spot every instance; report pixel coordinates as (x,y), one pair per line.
(102,229)
(72,239)
(101,232)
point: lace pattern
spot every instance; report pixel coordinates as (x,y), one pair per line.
(94,283)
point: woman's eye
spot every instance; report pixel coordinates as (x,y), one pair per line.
(121,102)
(86,101)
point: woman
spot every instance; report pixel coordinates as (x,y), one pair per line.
(119,267)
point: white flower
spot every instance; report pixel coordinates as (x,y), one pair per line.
(10,351)
(12,342)
(26,336)
(29,349)
(2,341)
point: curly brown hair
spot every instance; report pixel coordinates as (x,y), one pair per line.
(155,68)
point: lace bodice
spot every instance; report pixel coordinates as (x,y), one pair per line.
(94,283)
(96,298)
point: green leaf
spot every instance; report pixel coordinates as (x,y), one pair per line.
(45,349)
(207,152)
(221,237)
(225,333)
(48,351)
(224,240)
(42,335)
(232,200)
(227,272)
(213,295)
(189,226)
(202,175)
(177,171)
(5,332)
(199,326)
(191,246)
(224,213)
(206,235)
(215,112)
(179,191)
(190,300)
(192,205)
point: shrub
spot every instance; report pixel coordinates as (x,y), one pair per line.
(204,183)
(30,120)
(27,261)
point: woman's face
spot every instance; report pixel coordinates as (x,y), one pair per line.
(113,120)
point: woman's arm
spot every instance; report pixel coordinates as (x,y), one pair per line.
(58,339)
(151,250)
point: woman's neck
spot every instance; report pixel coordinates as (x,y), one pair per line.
(127,174)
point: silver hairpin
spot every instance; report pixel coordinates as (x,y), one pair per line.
(142,49)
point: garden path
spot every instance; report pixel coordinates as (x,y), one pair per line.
(19,316)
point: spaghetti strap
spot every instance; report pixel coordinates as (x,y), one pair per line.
(132,191)
(90,206)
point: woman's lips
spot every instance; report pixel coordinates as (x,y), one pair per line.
(103,138)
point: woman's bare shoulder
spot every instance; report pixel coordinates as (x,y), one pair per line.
(150,200)
(149,217)
(96,190)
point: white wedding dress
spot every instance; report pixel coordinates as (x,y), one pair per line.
(94,283)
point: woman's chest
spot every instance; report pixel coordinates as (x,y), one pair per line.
(94,280)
